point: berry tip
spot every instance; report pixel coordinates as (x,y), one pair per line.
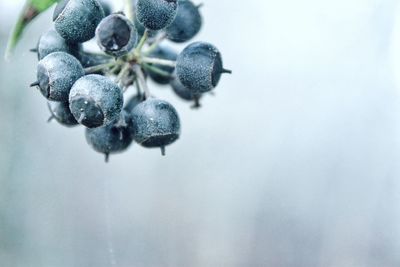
(34,84)
(226,71)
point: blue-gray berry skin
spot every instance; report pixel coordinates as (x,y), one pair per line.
(133,102)
(51,42)
(116,35)
(181,91)
(155,123)
(95,101)
(61,113)
(56,73)
(186,24)
(76,20)
(163,52)
(199,67)
(156,14)
(112,138)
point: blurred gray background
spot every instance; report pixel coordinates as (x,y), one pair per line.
(293,162)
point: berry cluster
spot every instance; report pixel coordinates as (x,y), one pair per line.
(88,89)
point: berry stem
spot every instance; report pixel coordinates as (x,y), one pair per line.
(143,40)
(155,70)
(158,61)
(122,73)
(100,67)
(156,43)
(142,81)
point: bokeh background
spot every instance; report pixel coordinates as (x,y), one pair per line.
(293,162)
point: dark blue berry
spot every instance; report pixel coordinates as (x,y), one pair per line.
(163,52)
(156,14)
(116,35)
(56,73)
(76,20)
(51,42)
(95,101)
(112,138)
(186,24)
(199,67)
(155,123)
(61,113)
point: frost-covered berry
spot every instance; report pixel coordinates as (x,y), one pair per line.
(56,73)
(199,67)
(155,123)
(76,20)
(50,42)
(61,113)
(163,52)
(112,138)
(95,101)
(186,24)
(116,35)
(156,14)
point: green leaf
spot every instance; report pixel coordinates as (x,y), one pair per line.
(31,9)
